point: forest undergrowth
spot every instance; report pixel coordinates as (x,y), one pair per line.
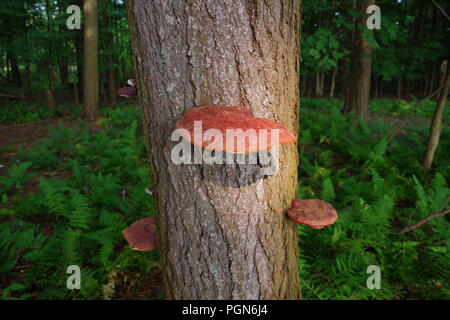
(66,198)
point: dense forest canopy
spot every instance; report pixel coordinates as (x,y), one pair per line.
(81,160)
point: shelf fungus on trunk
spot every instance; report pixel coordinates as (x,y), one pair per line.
(141,235)
(312,212)
(231,141)
(130,90)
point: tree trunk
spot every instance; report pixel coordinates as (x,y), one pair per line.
(357,99)
(50,98)
(375,88)
(90,70)
(436,125)
(28,81)
(442,71)
(399,88)
(304,86)
(381,87)
(15,72)
(333,82)
(79,52)
(111,74)
(317,94)
(322,82)
(219,241)
(51,77)
(64,71)
(76,93)
(63,62)
(433,73)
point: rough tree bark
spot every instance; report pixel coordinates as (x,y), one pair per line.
(220,242)
(436,125)
(358,91)
(90,67)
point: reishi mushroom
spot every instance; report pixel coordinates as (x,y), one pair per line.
(129,91)
(312,212)
(223,118)
(141,235)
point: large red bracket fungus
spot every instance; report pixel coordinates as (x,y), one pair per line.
(141,235)
(129,91)
(312,212)
(236,128)
(235,145)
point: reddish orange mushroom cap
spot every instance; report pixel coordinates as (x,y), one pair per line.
(127,91)
(223,118)
(141,235)
(312,212)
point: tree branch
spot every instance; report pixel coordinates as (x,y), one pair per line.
(438,213)
(440,9)
(12,96)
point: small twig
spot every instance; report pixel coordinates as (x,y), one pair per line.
(438,213)
(440,9)
(12,96)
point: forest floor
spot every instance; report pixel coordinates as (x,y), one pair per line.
(126,285)
(51,166)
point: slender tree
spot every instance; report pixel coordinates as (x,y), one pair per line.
(358,85)
(90,69)
(218,241)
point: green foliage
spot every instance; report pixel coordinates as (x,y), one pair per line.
(14,113)
(321,50)
(17,177)
(76,220)
(20,112)
(377,188)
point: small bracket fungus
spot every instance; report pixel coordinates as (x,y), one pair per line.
(129,91)
(141,235)
(312,212)
(239,130)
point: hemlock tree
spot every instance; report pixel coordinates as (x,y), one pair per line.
(90,66)
(358,86)
(219,241)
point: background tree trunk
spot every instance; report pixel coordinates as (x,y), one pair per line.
(28,84)
(50,98)
(220,242)
(111,73)
(333,82)
(90,70)
(436,125)
(15,72)
(399,88)
(358,91)
(79,52)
